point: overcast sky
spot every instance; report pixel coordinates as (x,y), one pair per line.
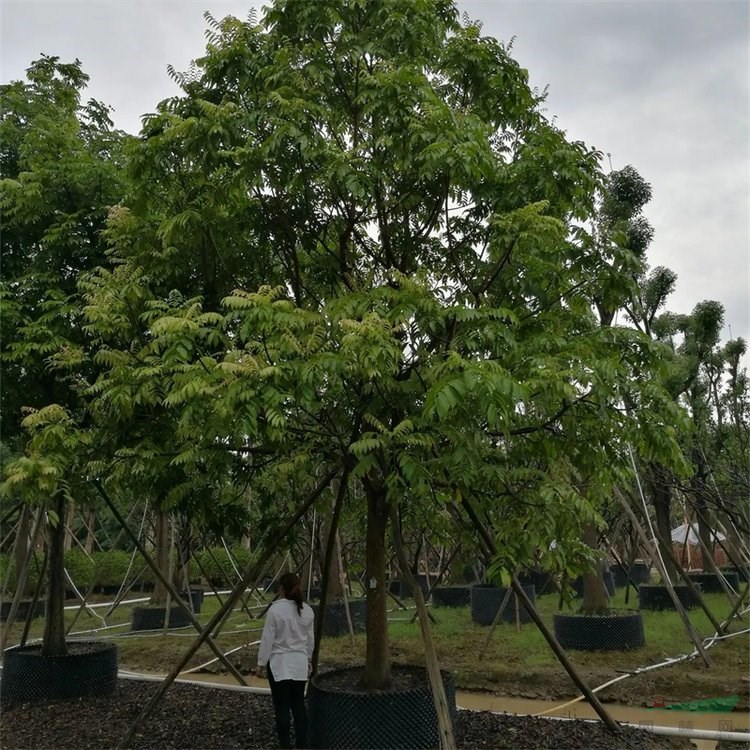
(659,84)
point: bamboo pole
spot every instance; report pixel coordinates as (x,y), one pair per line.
(499,614)
(694,590)
(265,550)
(441,573)
(446,738)
(35,599)
(171,593)
(590,696)
(21,581)
(327,559)
(651,546)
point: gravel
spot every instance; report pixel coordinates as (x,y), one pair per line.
(205,718)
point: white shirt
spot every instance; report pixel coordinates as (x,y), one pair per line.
(287,641)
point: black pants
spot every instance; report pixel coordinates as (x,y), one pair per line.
(289,695)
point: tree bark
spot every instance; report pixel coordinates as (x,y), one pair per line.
(21,548)
(69,518)
(662,495)
(161,555)
(90,520)
(595,594)
(377,672)
(53,640)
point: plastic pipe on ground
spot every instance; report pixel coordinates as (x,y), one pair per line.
(236,688)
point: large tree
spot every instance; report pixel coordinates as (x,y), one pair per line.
(405,231)
(61,165)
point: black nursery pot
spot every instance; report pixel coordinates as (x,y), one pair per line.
(423,582)
(335,623)
(656,597)
(639,573)
(451,596)
(620,631)
(23,609)
(710,584)
(542,581)
(152,618)
(89,668)
(196,596)
(400,718)
(486,599)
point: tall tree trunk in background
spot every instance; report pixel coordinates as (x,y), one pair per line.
(702,512)
(161,550)
(21,548)
(595,594)
(335,589)
(53,640)
(377,672)
(69,518)
(90,539)
(662,496)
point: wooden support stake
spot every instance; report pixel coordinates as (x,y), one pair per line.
(327,560)
(499,614)
(265,550)
(651,546)
(21,579)
(171,592)
(586,691)
(446,740)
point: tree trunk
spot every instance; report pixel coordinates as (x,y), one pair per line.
(21,548)
(161,550)
(663,510)
(697,486)
(595,594)
(69,518)
(377,672)
(90,539)
(335,573)
(53,640)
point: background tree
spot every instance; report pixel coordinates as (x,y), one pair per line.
(61,164)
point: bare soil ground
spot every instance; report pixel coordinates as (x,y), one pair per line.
(196,717)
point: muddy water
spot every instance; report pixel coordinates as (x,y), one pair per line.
(733,721)
(736,722)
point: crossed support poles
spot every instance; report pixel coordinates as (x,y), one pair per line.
(264,551)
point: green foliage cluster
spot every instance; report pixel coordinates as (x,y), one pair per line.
(8,572)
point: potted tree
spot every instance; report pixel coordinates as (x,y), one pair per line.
(408,230)
(50,474)
(61,169)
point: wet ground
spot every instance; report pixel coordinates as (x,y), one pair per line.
(202,718)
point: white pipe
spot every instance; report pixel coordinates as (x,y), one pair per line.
(694,734)
(236,688)
(231,651)
(106,604)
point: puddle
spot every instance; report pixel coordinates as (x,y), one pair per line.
(727,722)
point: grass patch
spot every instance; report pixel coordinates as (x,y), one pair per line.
(512,656)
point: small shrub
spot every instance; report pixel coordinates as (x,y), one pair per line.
(111,567)
(80,568)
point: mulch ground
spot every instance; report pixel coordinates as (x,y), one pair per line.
(205,718)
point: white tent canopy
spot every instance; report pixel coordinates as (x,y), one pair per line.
(678,534)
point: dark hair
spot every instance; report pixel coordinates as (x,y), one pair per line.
(292,589)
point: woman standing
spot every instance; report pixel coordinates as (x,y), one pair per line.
(286,649)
